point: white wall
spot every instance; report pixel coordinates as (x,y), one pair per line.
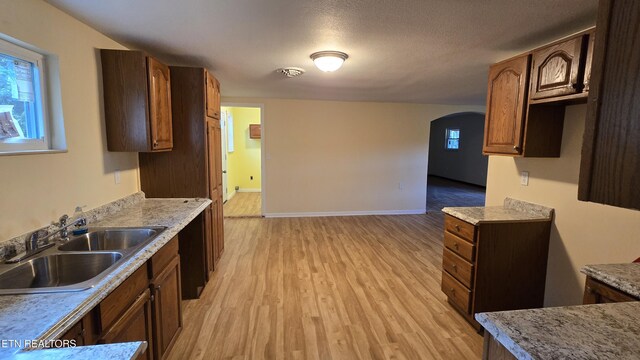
(35,189)
(327,157)
(582,233)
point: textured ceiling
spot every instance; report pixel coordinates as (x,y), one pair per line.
(426,51)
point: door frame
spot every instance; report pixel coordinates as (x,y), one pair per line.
(263,157)
(224,118)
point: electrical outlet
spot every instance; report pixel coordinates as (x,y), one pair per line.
(250,177)
(524,178)
(116,177)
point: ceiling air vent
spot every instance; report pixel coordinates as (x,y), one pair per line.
(291,71)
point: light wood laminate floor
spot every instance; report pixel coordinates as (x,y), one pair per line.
(243,204)
(364,287)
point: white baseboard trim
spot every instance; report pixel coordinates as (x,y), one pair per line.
(248,190)
(346,213)
(229,196)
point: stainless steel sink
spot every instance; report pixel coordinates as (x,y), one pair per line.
(110,239)
(57,272)
(78,264)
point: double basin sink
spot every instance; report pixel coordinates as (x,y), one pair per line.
(78,264)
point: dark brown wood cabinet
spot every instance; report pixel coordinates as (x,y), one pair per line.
(494,266)
(610,164)
(133,325)
(164,275)
(147,306)
(137,101)
(558,69)
(192,169)
(525,114)
(213,97)
(597,292)
(506,106)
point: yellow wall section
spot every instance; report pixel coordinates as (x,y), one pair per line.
(333,157)
(36,189)
(582,233)
(245,161)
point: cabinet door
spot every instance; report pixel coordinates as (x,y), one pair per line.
(506,101)
(160,105)
(213,97)
(218,224)
(209,241)
(556,69)
(134,325)
(167,307)
(214,159)
(610,163)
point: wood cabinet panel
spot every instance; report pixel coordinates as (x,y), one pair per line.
(133,325)
(456,292)
(506,104)
(458,268)
(167,307)
(597,292)
(556,69)
(610,164)
(460,228)
(213,96)
(459,246)
(161,259)
(117,303)
(160,105)
(137,103)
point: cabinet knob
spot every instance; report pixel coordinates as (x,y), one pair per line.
(155,143)
(516,147)
(455,267)
(453,291)
(457,227)
(456,246)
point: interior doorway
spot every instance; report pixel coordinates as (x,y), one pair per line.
(457,171)
(242,160)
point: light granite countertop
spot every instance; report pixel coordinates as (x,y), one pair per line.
(44,317)
(130,350)
(512,210)
(625,277)
(603,331)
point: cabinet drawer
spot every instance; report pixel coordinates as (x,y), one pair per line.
(459,246)
(458,267)
(456,292)
(116,303)
(459,228)
(163,257)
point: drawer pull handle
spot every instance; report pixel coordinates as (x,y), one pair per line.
(455,267)
(457,227)
(453,291)
(455,245)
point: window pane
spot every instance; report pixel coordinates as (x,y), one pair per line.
(19,92)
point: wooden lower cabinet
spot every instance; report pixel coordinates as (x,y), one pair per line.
(167,308)
(597,292)
(147,306)
(133,325)
(494,266)
(493,350)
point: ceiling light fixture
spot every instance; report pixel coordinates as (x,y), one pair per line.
(329,61)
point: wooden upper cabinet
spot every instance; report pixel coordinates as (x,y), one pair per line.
(137,102)
(557,70)
(506,104)
(213,96)
(610,164)
(589,61)
(160,105)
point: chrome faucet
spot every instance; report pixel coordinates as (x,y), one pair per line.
(31,242)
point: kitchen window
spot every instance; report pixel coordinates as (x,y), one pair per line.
(452,139)
(24,125)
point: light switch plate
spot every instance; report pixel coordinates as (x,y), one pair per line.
(524,178)
(116,177)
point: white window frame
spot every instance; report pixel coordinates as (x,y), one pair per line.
(447,138)
(8,146)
